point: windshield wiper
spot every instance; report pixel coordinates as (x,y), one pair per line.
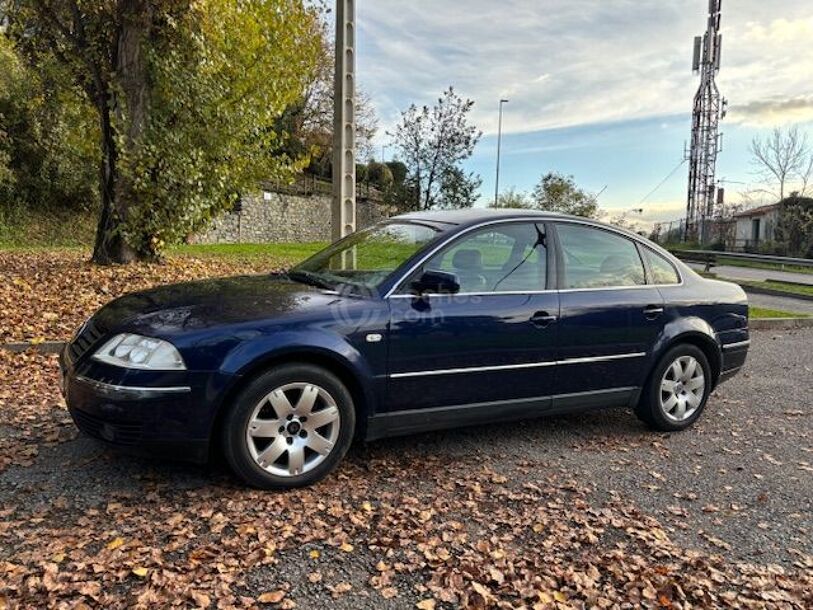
(310,278)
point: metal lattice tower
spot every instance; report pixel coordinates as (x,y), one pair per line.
(709,109)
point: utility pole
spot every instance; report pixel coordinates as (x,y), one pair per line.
(343,210)
(709,109)
(499,146)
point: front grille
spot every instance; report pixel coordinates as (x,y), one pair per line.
(86,339)
(122,434)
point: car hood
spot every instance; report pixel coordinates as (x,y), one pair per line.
(204,304)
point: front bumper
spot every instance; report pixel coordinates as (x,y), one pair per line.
(148,413)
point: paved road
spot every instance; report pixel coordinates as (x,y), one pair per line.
(781,303)
(756,275)
(739,484)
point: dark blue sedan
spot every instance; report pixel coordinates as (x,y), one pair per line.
(426,321)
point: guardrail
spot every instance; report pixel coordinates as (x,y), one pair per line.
(710,258)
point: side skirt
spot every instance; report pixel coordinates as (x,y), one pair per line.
(399,423)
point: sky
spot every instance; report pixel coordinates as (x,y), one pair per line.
(600,89)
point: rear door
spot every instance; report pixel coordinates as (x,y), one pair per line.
(492,344)
(610,317)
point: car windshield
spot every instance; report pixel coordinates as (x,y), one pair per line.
(365,259)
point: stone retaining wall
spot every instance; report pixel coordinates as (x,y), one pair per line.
(282,218)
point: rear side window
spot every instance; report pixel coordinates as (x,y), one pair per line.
(594,258)
(663,272)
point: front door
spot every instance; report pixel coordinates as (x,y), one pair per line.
(610,317)
(493,344)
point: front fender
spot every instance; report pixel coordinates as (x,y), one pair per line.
(262,351)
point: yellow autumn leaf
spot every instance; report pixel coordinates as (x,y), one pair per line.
(367,507)
(559,596)
(37,340)
(272,597)
(314,554)
(58,557)
(426,604)
(346,547)
(140,572)
(115,543)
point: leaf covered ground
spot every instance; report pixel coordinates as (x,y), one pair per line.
(588,511)
(47,294)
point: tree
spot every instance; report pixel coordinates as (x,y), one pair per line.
(308,123)
(781,159)
(181,91)
(794,228)
(513,198)
(458,189)
(380,176)
(433,142)
(556,192)
(47,137)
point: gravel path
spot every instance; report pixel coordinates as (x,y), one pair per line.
(739,484)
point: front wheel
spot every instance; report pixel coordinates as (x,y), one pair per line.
(677,391)
(290,427)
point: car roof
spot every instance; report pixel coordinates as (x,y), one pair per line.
(475,215)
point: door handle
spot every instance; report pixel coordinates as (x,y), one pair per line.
(653,311)
(543,319)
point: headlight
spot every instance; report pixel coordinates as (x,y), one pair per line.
(137,352)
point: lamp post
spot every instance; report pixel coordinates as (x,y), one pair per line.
(499,146)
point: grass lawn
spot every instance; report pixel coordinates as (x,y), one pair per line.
(790,289)
(293,252)
(757,313)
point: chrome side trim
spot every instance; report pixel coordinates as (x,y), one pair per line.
(505,367)
(109,388)
(737,345)
(601,358)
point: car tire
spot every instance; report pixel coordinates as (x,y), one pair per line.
(289,427)
(677,390)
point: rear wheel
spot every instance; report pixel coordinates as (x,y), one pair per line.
(290,427)
(677,391)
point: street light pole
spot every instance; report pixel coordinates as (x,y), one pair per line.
(499,146)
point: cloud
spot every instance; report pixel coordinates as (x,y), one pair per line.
(577,62)
(769,112)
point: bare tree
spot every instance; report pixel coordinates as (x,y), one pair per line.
(782,159)
(432,143)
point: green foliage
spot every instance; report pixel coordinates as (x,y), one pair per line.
(223,78)
(362,173)
(794,229)
(188,96)
(458,189)
(513,198)
(48,137)
(399,171)
(380,176)
(556,192)
(433,142)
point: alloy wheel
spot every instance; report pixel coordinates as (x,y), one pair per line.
(682,389)
(293,429)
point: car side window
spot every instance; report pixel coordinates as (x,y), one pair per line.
(503,258)
(595,258)
(663,272)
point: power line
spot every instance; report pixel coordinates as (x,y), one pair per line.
(662,182)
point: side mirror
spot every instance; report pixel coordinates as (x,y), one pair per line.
(438,282)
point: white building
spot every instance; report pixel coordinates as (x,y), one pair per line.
(755,226)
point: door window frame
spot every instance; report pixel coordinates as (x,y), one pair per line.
(401,288)
(560,259)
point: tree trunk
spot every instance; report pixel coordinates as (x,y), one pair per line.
(131,112)
(110,246)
